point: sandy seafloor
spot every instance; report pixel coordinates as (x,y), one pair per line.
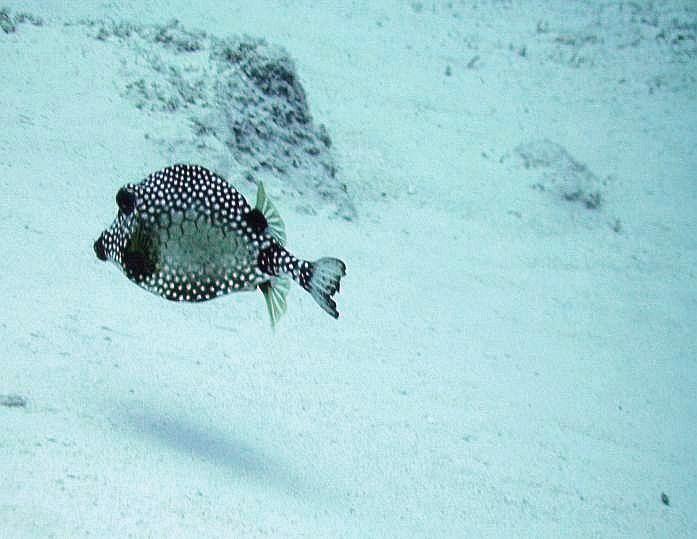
(508,363)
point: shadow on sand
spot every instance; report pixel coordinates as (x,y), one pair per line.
(209,445)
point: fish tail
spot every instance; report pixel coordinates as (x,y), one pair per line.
(320,278)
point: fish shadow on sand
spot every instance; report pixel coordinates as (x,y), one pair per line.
(209,446)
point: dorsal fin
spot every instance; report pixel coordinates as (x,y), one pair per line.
(276,227)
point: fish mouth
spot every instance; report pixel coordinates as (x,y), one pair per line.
(98,247)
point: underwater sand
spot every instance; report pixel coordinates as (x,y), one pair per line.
(516,352)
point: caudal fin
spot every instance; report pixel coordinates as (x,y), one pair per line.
(326,274)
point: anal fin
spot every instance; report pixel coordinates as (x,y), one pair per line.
(275,293)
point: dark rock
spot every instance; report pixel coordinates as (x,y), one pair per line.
(9,23)
(240,97)
(6,22)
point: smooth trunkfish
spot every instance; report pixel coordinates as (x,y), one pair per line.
(186,234)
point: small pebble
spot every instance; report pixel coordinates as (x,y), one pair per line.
(13,401)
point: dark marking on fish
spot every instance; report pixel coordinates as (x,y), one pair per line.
(98,247)
(126,201)
(256,220)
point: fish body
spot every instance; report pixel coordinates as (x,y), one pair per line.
(186,234)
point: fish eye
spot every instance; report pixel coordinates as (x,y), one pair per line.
(126,201)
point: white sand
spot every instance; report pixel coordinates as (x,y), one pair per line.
(506,364)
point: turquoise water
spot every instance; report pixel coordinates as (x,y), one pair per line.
(511,187)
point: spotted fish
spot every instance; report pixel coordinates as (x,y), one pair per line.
(186,234)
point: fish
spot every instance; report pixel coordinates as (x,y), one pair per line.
(187,235)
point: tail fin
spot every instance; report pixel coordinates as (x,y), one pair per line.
(320,278)
(324,277)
